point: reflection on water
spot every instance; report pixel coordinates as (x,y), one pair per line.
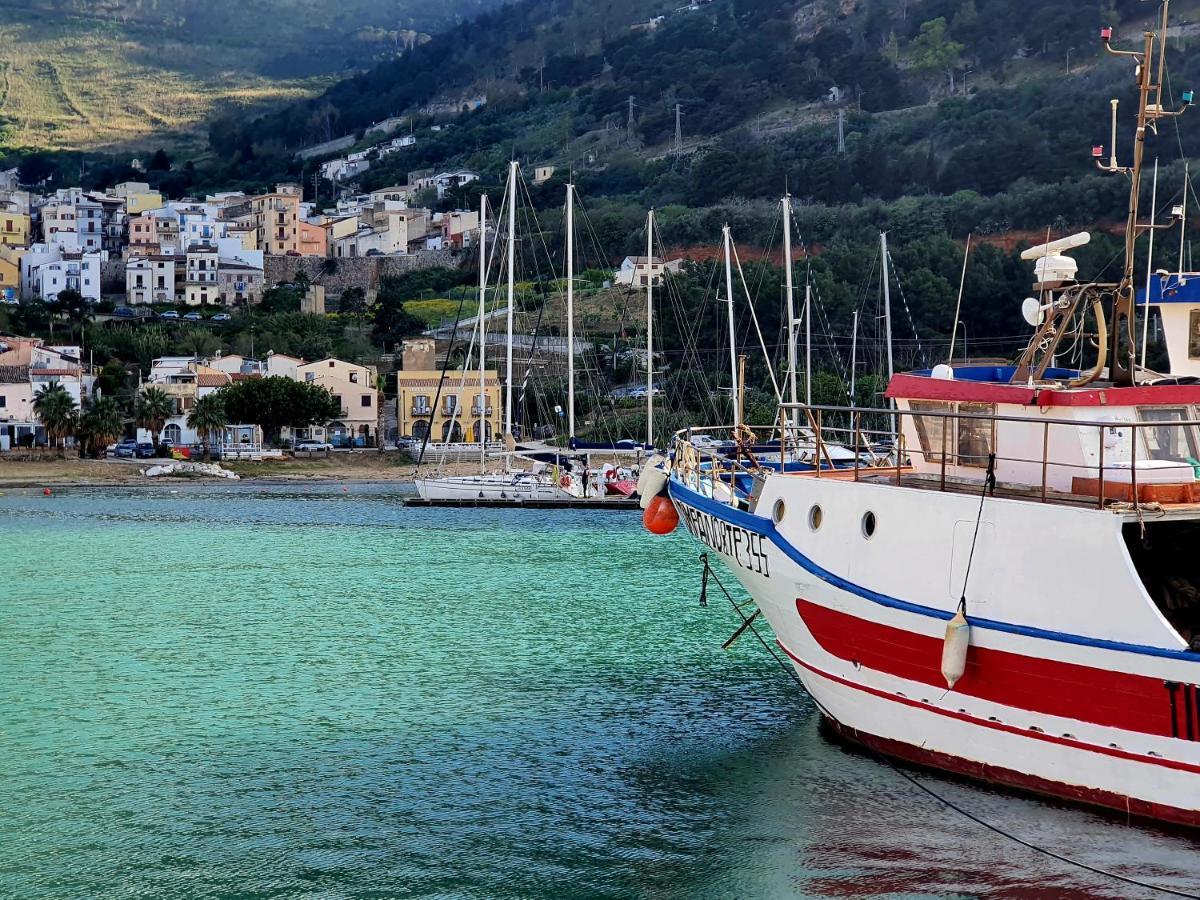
(230,690)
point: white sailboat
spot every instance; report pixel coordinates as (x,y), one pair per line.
(540,481)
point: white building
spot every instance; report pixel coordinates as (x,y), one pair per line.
(636,271)
(151,279)
(46,272)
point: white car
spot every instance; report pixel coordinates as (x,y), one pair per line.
(309,446)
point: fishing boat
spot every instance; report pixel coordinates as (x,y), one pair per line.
(1014,595)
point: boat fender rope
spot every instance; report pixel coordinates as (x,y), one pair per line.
(917,783)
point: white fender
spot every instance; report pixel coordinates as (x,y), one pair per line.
(954,650)
(651,480)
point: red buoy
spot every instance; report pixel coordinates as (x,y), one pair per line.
(46,492)
(660,516)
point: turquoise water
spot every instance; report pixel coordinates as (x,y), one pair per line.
(235,691)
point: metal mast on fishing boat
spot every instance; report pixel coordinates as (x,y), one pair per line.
(1053,272)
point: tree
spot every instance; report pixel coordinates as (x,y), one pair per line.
(353,300)
(159,162)
(100,425)
(57,411)
(207,418)
(932,51)
(275,402)
(151,410)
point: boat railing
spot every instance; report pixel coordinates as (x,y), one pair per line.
(1041,458)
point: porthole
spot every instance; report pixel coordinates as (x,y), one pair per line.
(778,511)
(868,524)
(814,517)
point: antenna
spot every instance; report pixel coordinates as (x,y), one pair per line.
(629,120)
(677,148)
(841,132)
(1122,346)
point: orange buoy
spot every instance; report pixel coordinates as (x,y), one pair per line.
(660,516)
(46,492)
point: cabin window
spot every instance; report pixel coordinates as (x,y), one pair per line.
(1167,438)
(1194,334)
(931,430)
(966,442)
(975,436)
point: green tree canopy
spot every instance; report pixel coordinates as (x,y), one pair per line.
(275,402)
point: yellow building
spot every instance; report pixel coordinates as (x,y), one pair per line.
(138,197)
(276,220)
(452,414)
(353,386)
(14,229)
(10,275)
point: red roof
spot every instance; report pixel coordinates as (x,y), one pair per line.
(206,379)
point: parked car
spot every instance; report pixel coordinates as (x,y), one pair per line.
(309,446)
(144,451)
(222,317)
(193,317)
(169,314)
(125,449)
(125,312)
(640,393)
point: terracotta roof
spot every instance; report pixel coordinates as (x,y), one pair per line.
(244,376)
(204,379)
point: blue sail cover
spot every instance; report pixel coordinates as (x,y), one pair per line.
(628,446)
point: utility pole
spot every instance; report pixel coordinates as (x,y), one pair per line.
(678,148)
(841,132)
(629,119)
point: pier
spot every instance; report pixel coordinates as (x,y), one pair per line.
(557,503)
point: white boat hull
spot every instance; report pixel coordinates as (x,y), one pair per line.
(1053,704)
(505,486)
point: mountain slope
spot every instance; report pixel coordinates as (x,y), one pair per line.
(88,75)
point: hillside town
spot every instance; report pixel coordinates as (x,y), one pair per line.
(131,245)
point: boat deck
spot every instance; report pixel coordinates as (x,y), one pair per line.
(1116,500)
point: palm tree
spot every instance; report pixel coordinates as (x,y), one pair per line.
(101,424)
(206,418)
(57,411)
(151,409)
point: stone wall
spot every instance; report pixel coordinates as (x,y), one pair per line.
(361,271)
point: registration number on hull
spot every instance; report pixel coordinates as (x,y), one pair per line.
(740,544)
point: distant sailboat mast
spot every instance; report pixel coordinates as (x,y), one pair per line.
(791,305)
(733,362)
(650,328)
(512,253)
(483,419)
(571,311)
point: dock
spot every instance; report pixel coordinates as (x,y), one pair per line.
(607,503)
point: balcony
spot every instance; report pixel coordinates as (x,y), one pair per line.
(475,411)
(421,411)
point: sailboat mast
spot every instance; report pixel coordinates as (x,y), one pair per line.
(733,364)
(512,254)
(571,311)
(650,328)
(791,303)
(808,343)
(853,354)
(483,419)
(887,303)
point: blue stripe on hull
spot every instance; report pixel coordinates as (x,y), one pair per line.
(767,529)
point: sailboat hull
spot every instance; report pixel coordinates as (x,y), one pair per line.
(507,486)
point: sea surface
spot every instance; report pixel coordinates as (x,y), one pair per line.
(239,691)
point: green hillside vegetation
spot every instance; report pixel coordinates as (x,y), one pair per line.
(90,75)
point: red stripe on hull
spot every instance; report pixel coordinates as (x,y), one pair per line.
(1136,703)
(1018,780)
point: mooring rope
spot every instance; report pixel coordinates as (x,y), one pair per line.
(747,623)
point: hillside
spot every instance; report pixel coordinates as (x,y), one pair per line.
(90,75)
(936,97)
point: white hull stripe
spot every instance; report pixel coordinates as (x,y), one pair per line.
(766,528)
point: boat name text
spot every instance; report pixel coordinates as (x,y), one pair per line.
(743,545)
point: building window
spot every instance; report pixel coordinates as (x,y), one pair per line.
(3,401)
(332,363)
(354,378)
(451,404)
(420,405)
(366,399)
(337,398)
(310,376)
